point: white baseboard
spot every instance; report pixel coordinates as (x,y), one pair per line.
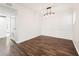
(27,39)
(2,36)
(76,47)
(59,37)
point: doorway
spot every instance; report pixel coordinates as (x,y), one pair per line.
(7,32)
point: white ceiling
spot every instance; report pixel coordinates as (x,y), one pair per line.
(41,6)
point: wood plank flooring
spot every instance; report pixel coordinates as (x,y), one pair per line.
(44,46)
(3,46)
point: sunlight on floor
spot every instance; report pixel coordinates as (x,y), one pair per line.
(4,46)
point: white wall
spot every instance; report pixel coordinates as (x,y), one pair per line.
(27,24)
(30,24)
(58,25)
(76,28)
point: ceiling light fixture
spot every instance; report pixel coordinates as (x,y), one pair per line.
(49,11)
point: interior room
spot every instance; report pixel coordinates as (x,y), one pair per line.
(39,29)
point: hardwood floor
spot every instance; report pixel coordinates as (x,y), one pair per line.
(3,46)
(44,46)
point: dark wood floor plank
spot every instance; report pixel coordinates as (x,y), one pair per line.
(45,46)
